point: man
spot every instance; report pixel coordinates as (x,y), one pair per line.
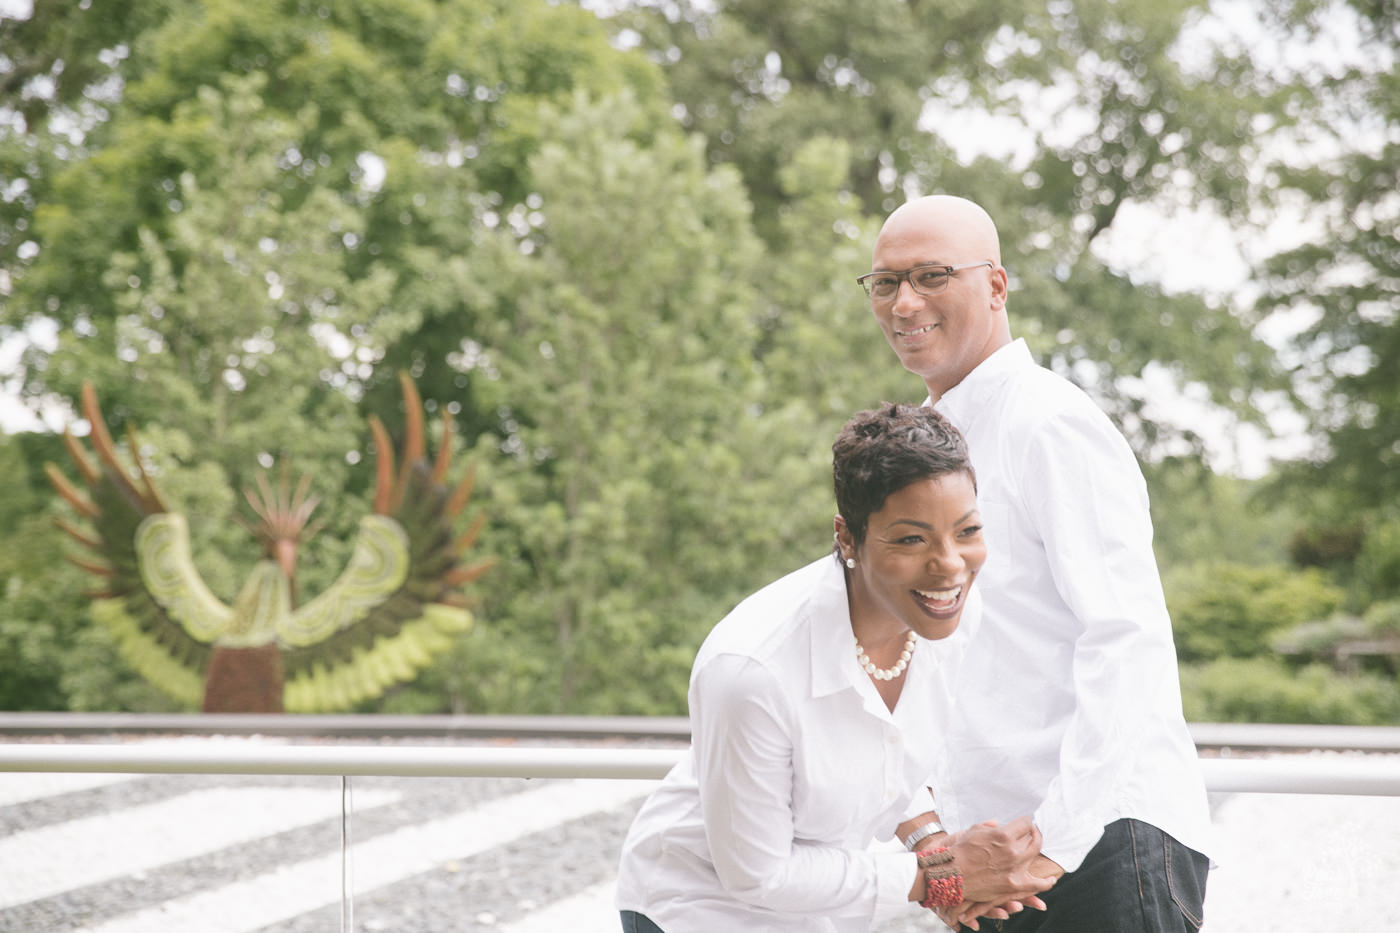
(1069,708)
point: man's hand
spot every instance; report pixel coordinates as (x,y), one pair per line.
(967,913)
(995,861)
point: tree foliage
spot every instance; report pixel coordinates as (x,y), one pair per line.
(1341,185)
(1102,97)
(629,487)
(620,252)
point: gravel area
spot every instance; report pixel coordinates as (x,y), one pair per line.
(450,855)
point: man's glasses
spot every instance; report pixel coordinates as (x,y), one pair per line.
(928,279)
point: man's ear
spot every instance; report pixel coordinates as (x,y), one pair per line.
(999,289)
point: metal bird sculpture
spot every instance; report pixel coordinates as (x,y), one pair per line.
(398,602)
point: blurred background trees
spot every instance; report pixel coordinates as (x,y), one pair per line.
(618,244)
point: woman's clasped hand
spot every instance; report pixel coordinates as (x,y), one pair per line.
(1001,868)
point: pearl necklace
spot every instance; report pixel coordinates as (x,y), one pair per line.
(887,673)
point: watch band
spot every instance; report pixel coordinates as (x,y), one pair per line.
(923,832)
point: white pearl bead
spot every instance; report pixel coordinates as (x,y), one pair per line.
(869,667)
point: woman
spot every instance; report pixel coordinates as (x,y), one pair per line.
(816,707)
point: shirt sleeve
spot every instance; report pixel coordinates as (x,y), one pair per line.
(1091,509)
(742,739)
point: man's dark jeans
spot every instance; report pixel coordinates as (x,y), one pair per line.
(633,922)
(1136,879)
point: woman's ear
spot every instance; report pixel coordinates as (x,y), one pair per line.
(845,542)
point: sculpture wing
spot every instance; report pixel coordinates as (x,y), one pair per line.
(399,601)
(170,577)
(378,567)
(150,632)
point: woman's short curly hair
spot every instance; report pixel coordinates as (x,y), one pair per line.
(881,451)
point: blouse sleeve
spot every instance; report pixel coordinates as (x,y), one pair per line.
(742,739)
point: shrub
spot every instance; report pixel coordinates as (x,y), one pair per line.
(1268,690)
(1230,610)
(1378,564)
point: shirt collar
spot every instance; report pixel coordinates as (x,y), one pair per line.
(962,402)
(833,648)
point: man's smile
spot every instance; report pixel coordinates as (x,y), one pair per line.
(915,332)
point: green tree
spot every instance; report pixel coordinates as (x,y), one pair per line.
(236,214)
(399,111)
(1200,517)
(1112,112)
(628,484)
(32,638)
(1224,610)
(1338,185)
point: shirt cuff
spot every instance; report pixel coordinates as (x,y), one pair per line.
(1066,842)
(921,803)
(894,876)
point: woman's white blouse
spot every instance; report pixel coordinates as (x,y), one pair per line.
(796,767)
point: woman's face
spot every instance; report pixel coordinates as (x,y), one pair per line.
(921,552)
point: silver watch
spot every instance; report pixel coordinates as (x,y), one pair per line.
(923,832)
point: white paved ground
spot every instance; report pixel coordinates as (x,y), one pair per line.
(303,886)
(1287,862)
(1305,863)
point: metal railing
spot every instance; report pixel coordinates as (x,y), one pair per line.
(1375,776)
(1230,735)
(1371,774)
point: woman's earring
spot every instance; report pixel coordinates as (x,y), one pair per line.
(851,563)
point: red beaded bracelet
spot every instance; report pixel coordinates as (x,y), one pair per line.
(942,892)
(939,856)
(943,883)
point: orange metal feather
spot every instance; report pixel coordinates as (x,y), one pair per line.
(413,444)
(152,499)
(461,494)
(469,573)
(101,438)
(469,537)
(70,492)
(79,457)
(102,570)
(384,467)
(444,454)
(102,441)
(78,534)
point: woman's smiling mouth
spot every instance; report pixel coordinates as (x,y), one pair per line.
(940,602)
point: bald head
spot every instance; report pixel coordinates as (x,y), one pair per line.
(960,224)
(943,333)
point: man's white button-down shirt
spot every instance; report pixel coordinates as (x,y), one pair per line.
(1067,706)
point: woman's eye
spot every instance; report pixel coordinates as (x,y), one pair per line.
(971,530)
